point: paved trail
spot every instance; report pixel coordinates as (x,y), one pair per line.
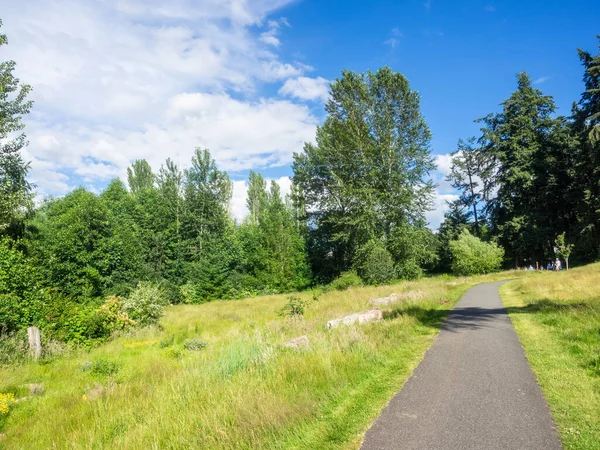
(473,390)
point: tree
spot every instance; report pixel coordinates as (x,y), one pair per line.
(206,227)
(257,195)
(15,191)
(367,173)
(140,177)
(465,170)
(563,248)
(513,143)
(455,220)
(586,127)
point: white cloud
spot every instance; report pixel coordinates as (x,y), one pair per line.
(306,88)
(541,80)
(120,80)
(440,206)
(490,8)
(392,42)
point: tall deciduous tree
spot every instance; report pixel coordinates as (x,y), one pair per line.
(15,191)
(367,173)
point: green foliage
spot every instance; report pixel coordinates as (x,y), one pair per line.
(294,308)
(194,344)
(345,281)
(145,304)
(171,292)
(103,368)
(367,173)
(471,256)
(375,264)
(10,313)
(15,191)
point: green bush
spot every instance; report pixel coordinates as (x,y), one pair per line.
(145,304)
(376,265)
(194,344)
(171,292)
(471,256)
(10,313)
(294,308)
(344,281)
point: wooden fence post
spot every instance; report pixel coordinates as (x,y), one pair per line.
(35,342)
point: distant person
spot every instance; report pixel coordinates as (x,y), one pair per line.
(557,265)
(530,267)
(549,266)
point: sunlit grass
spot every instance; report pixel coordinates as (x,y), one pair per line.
(557,318)
(244,390)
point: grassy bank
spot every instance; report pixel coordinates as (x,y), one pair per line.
(557,318)
(243,390)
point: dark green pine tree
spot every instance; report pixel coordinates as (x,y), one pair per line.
(587,129)
(512,143)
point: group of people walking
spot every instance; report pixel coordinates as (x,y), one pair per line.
(552,265)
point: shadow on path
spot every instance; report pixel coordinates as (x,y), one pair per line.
(477,317)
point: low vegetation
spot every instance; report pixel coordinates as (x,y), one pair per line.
(557,318)
(217,376)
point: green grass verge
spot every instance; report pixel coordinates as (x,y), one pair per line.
(557,318)
(244,390)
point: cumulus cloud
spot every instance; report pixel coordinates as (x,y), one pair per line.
(440,206)
(306,88)
(116,81)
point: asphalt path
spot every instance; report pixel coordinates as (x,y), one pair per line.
(473,390)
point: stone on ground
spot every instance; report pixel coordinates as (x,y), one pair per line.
(371,315)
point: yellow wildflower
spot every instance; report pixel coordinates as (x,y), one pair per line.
(5,401)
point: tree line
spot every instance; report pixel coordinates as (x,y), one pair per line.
(531,175)
(84,264)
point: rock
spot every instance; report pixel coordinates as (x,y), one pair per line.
(35,388)
(393,298)
(299,342)
(361,317)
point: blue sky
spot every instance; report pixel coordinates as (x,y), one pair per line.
(118,80)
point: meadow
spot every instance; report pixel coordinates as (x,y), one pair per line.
(217,375)
(557,318)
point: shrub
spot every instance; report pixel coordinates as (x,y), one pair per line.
(13,348)
(10,313)
(113,314)
(294,308)
(194,344)
(145,304)
(376,265)
(344,281)
(102,367)
(471,256)
(171,292)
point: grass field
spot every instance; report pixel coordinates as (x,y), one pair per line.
(244,390)
(557,318)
